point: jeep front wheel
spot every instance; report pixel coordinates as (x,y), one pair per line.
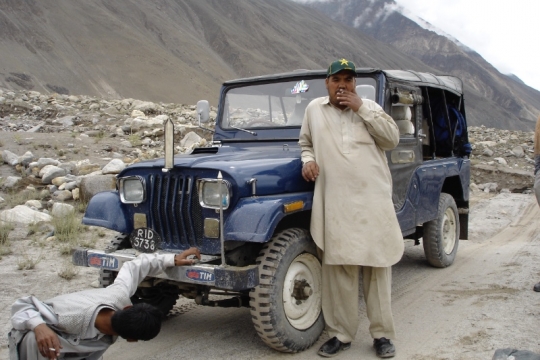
(286,305)
(441,235)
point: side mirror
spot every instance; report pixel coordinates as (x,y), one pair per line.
(203,110)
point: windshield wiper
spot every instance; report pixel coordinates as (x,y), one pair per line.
(248,131)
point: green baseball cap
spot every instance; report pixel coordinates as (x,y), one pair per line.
(340,65)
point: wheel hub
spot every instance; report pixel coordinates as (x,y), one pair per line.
(301,290)
(449,231)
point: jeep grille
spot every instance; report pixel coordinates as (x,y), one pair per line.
(175,211)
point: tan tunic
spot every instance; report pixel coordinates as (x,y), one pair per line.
(353,219)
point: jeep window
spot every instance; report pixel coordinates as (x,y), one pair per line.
(273,105)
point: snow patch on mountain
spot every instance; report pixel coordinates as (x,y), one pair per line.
(425,24)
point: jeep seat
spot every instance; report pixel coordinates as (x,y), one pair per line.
(297,115)
(402,117)
(366,91)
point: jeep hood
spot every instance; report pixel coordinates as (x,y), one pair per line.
(276,168)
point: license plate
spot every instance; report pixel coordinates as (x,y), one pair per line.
(145,240)
(102,261)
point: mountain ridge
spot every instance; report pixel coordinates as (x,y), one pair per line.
(385,21)
(181,51)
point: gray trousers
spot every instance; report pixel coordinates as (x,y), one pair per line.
(340,285)
(87,350)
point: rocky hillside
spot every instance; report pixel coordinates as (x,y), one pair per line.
(181,51)
(170,50)
(67,147)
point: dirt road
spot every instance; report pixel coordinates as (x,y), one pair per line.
(484,301)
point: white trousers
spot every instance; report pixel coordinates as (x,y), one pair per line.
(340,300)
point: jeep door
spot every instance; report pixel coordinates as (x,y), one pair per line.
(407,156)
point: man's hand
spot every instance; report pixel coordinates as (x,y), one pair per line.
(181,259)
(310,171)
(47,341)
(350,99)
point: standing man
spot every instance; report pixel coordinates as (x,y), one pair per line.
(537,173)
(84,324)
(343,139)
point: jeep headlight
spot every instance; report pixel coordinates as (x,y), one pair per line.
(209,193)
(132,190)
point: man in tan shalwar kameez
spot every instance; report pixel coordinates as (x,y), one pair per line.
(343,139)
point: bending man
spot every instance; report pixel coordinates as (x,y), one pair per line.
(84,324)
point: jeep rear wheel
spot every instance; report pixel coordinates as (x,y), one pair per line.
(441,235)
(286,305)
(162,296)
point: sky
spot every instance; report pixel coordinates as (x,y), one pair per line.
(504,33)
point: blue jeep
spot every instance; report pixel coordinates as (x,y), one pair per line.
(244,204)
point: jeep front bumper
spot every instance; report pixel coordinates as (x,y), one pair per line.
(217,276)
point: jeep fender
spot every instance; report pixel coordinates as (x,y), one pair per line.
(449,175)
(106,210)
(254,219)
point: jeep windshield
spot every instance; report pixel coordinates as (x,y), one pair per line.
(273,105)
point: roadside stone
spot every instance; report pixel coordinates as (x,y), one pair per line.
(11,182)
(488,187)
(36,128)
(58,180)
(137,114)
(190,139)
(66,121)
(68,166)
(36,204)
(146,107)
(23,215)
(115,166)
(61,209)
(49,172)
(92,185)
(94,133)
(10,158)
(70,185)
(42,162)
(518,152)
(514,179)
(487,152)
(26,158)
(88,169)
(62,195)
(75,193)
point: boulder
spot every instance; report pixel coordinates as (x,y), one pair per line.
(23,215)
(92,185)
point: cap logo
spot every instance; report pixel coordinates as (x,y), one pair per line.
(339,65)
